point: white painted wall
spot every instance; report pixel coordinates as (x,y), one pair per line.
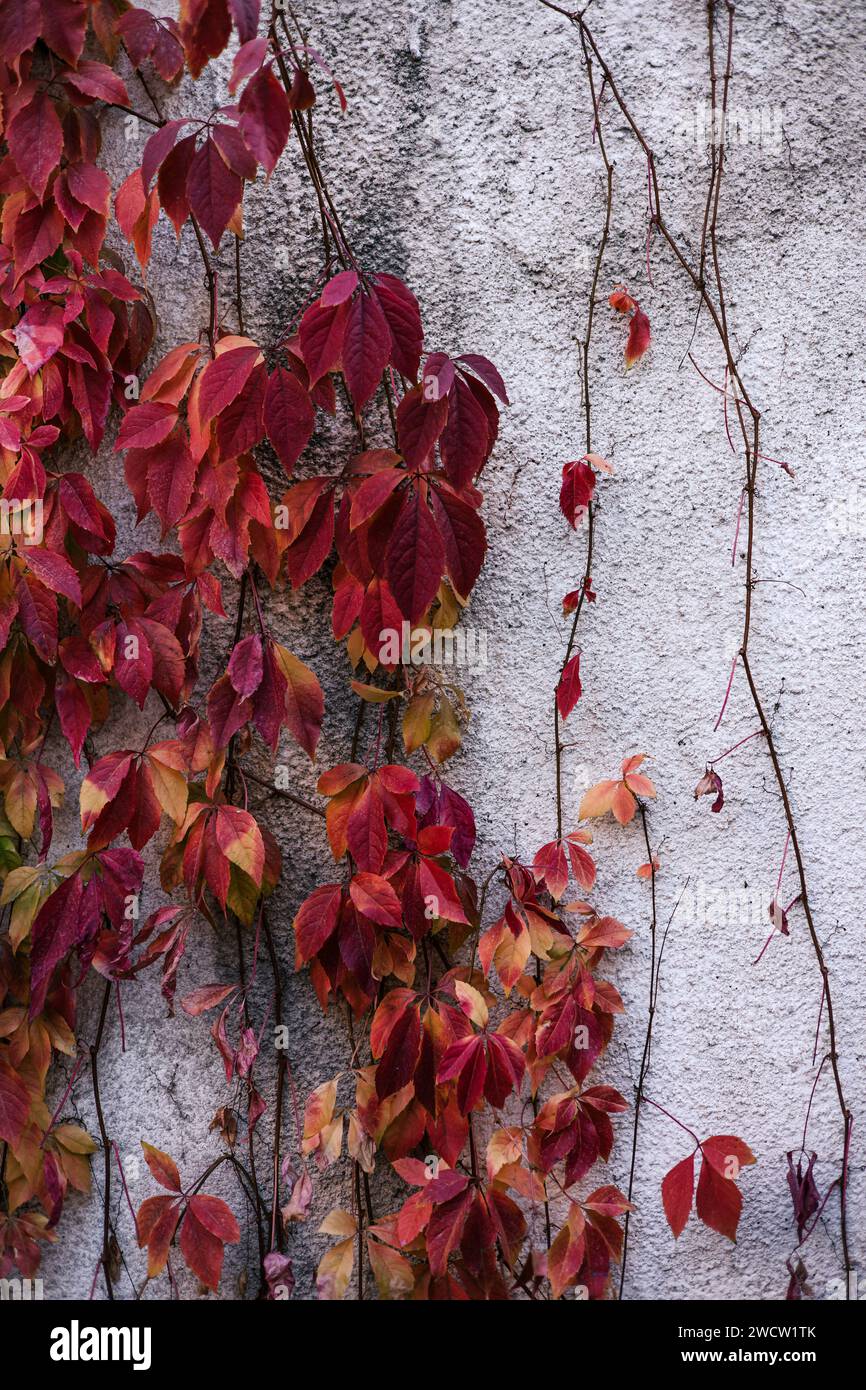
(465,164)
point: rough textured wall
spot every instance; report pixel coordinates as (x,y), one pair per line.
(465,164)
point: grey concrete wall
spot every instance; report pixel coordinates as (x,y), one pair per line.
(465,164)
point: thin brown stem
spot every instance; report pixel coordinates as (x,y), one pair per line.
(647,1046)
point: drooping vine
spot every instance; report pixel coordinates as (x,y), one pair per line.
(708,283)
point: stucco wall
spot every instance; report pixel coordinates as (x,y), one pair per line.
(465,164)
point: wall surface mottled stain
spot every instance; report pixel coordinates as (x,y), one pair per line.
(465,163)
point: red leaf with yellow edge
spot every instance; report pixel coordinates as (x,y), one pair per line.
(400,1057)
(101,785)
(240,840)
(564,1259)
(374,897)
(512,950)
(305,702)
(163,1168)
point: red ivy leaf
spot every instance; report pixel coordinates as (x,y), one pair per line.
(265,118)
(366,348)
(718,1201)
(163,1168)
(638,337)
(35,140)
(569,690)
(289,417)
(578,486)
(415,557)
(677,1188)
(398,1062)
(214,191)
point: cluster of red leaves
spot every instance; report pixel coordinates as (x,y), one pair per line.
(438,1055)
(718,1201)
(207,1225)
(73,330)
(75,623)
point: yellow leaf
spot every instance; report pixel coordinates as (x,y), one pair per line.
(21,803)
(16,881)
(472,1003)
(445,736)
(393,1273)
(75,1139)
(335,1270)
(373,695)
(170,787)
(338,1223)
(320,1108)
(417,722)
